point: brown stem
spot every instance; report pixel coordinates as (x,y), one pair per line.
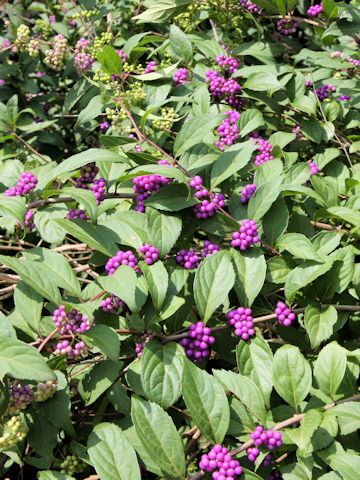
(325,226)
(30,147)
(47,339)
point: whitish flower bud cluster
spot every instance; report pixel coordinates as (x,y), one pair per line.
(22,37)
(14,431)
(45,390)
(55,56)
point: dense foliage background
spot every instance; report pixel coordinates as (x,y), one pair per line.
(180,215)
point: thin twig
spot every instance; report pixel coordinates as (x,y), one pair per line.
(51,201)
(30,147)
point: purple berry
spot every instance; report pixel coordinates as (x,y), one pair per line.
(98,188)
(198,341)
(150,67)
(82,60)
(112,304)
(72,322)
(74,214)
(145,185)
(242,321)
(228,64)
(264,148)
(325,91)
(315,10)
(218,461)
(287,26)
(228,130)
(19,398)
(250,6)
(209,249)
(27,182)
(144,339)
(284,314)
(314,169)
(270,438)
(87,175)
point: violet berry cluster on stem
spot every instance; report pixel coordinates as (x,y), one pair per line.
(19,398)
(188,259)
(76,214)
(287,26)
(145,185)
(210,202)
(250,6)
(65,348)
(242,320)
(314,169)
(198,341)
(181,76)
(284,314)
(151,253)
(315,10)
(87,175)
(74,321)
(121,258)
(247,235)
(269,438)
(209,249)
(264,147)
(228,130)
(82,60)
(112,304)
(247,192)
(27,182)
(220,463)
(144,339)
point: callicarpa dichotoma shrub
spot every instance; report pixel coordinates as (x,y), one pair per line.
(180,224)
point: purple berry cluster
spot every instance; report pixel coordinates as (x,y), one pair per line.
(181,76)
(82,60)
(325,91)
(344,98)
(150,66)
(65,348)
(250,6)
(269,438)
(264,147)
(145,185)
(297,131)
(241,319)
(209,249)
(104,126)
(122,55)
(28,221)
(74,321)
(254,452)
(112,304)
(87,174)
(45,390)
(121,258)
(76,214)
(98,188)
(287,26)
(210,202)
(198,341)
(151,253)
(188,259)
(246,236)
(144,339)
(228,64)
(228,130)
(220,463)
(314,169)
(247,192)
(19,398)
(27,182)
(309,83)
(220,86)
(284,314)
(315,10)
(353,61)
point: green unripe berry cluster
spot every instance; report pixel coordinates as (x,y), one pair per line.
(85,14)
(22,37)
(168,117)
(44,27)
(33,48)
(102,77)
(116,116)
(14,431)
(135,94)
(99,42)
(72,465)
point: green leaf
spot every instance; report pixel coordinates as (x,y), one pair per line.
(250,271)
(255,360)
(86,198)
(329,369)
(110,61)
(98,237)
(45,222)
(180,45)
(261,82)
(92,110)
(278,269)
(319,323)
(57,267)
(194,131)
(22,361)
(348,409)
(129,226)
(231,161)
(265,195)
(347,464)
(157,280)
(276,221)
(125,284)
(52,475)
(105,339)
(14,207)
(299,246)
(206,402)
(35,275)
(161,11)
(111,454)
(303,435)
(164,230)
(345,214)
(250,120)
(29,304)
(291,375)
(97,380)
(306,103)
(303,275)
(214,279)
(159,437)
(245,390)
(161,372)
(281,139)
